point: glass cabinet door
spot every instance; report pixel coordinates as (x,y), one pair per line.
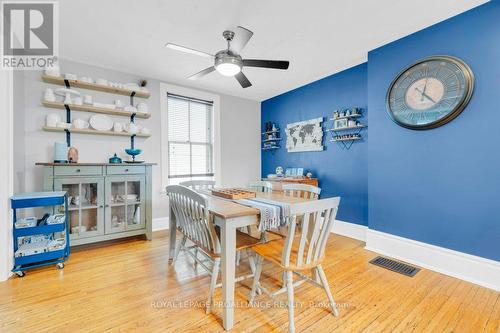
(86,205)
(115,206)
(125,208)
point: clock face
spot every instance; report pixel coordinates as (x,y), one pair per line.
(430,93)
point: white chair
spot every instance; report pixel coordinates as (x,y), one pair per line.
(301,191)
(195,223)
(199,184)
(302,252)
(261,186)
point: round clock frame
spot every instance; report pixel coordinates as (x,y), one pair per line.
(451,114)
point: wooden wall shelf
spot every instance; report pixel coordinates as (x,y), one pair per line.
(357,115)
(94,86)
(94,132)
(346,139)
(94,109)
(346,128)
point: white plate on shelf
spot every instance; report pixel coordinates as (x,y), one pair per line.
(101,122)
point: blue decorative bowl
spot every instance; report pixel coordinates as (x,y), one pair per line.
(133,152)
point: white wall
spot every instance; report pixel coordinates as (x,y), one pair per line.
(241,140)
(6,171)
(239,118)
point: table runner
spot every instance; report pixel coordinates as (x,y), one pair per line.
(273,214)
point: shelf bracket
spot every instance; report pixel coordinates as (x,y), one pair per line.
(132,94)
(66,83)
(68,121)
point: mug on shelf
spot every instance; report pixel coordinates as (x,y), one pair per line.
(119,103)
(69,76)
(49,95)
(87,79)
(118,127)
(78,100)
(53,70)
(52,119)
(87,99)
(142,107)
(80,123)
(132,128)
(102,82)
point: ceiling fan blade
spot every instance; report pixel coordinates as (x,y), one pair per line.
(202,73)
(243,80)
(276,64)
(241,38)
(188,50)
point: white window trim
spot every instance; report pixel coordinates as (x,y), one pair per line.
(165,89)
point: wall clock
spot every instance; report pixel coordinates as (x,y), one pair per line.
(430,93)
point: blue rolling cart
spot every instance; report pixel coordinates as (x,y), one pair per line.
(46,250)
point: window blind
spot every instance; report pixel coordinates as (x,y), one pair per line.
(190,146)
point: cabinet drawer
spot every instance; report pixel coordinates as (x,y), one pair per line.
(84,170)
(126,170)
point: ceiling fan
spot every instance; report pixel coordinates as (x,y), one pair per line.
(228,62)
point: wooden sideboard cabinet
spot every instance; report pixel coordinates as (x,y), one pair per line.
(106,201)
(278,182)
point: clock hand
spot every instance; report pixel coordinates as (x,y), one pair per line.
(425,95)
(423,92)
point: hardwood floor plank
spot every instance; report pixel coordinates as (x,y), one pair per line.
(127,286)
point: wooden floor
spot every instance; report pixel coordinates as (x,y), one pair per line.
(128,287)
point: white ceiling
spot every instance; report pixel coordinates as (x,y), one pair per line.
(319,37)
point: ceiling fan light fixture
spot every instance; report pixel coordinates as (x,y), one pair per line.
(228,64)
(228,68)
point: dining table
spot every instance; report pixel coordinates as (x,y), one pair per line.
(229,216)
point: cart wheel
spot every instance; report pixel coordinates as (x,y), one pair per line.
(60,265)
(20,273)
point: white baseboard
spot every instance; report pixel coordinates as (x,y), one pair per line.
(351,230)
(481,271)
(160,223)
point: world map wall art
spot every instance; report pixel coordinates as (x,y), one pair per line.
(304,136)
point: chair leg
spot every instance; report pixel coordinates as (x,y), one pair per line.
(324,282)
(315,276)
(178,249)
(289,287)
(255,284)
(251,262)
(213,281)
(195,257)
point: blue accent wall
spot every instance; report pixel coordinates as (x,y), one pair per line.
(341,172)
(440,186)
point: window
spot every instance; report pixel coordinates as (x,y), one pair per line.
(190,143)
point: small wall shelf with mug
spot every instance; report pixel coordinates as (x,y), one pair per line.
(271,137)
(347,122)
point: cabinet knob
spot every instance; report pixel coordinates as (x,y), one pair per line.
(78,170)
(126,170)
(107,205)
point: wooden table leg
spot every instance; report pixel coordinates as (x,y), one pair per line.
(228,257)
(172,235)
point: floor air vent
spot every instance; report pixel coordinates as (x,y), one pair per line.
(395,266)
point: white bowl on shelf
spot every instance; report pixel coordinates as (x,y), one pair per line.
(78,229)
(129,197)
